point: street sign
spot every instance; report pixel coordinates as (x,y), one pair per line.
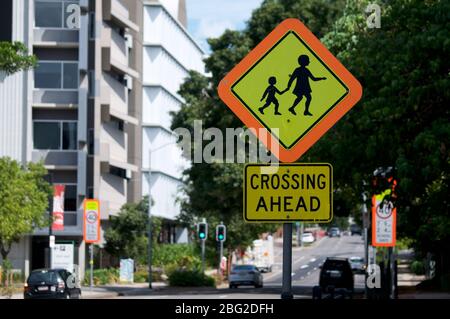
(91,221)
(291,86)
(63,257)
(384,220)
(288,193)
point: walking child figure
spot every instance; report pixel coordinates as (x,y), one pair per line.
(302,88)
(270,92)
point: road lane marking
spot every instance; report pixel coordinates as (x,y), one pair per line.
(304,266)
(313,260)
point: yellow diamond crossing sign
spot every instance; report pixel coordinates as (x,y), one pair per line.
(291,86)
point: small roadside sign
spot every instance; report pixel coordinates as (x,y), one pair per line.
(384,220)
(288,193)
(291,86)
(91,221)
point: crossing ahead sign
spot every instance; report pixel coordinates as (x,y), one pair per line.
(291,86)
(288,192)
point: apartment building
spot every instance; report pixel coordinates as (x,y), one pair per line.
(94,108)
(77,112)
(169,52)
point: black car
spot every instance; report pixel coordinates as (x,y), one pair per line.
(334,232)
(336,273)
(51,284)
(355,230)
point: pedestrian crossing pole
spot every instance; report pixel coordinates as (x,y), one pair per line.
(286,289)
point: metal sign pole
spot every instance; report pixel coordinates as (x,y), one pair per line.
(91,263)
(220,258)
(203,256)
(286,290)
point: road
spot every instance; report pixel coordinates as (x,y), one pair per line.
(305,274)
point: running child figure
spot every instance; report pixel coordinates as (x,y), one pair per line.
(270,92)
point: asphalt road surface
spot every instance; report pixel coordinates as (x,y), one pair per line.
(305,273)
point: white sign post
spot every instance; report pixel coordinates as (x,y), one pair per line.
(91,230)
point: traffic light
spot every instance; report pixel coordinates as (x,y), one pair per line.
(221,233)
(202,230)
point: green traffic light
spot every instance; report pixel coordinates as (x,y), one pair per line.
(202,235)
(220,236)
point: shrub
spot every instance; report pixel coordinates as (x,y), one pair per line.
(168,254)
(417,267)
(185,263)
(103,276)
(188,278)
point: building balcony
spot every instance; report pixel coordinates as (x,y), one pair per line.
(110,157)
(55,98)
(114,100)
(55,38)
(114,11)
(56,159)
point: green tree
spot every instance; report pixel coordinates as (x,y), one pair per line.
(402,119)
(24,195)
(14,57)
(126,236)
(214,191)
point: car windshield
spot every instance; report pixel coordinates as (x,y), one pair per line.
(243,268)
(356,259)
(43,276)
(307,234)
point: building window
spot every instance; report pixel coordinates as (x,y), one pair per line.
(55,135)
(92,26)
(69,136)
(52,14)
(56,75)
(70,198)
(47,135)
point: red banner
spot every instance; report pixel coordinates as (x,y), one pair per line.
(58,207)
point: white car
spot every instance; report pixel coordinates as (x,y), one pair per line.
(308,238)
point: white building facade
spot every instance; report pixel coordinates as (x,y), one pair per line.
(169,53)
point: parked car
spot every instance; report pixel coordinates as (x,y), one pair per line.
(355,230)
(357,264)
(334,232)
(307,238)
(245,275)
(336,273)
(51,284)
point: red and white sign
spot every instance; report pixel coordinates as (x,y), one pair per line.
(384,220)
(58,207)
(91,221)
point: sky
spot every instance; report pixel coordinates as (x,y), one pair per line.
(210,18)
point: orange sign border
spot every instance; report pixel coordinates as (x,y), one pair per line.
(84,221)
(374,228)
(294,153)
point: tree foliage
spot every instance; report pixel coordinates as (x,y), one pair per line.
(24,195)
(403,117)
(126,236)
(14,57)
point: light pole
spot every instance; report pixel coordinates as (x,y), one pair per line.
(149,225)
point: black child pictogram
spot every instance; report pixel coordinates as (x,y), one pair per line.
(270,92)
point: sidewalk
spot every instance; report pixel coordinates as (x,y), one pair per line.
(109,291)
(408,281)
